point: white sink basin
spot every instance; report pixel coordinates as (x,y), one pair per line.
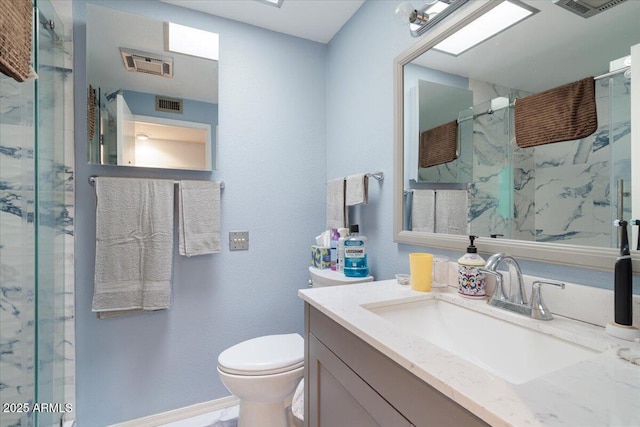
(512,352)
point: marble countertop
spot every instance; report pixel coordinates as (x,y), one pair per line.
(603,390)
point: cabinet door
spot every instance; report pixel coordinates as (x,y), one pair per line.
(342,398)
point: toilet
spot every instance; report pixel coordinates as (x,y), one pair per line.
(321,278)
(263,373)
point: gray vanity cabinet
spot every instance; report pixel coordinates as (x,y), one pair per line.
(349,383)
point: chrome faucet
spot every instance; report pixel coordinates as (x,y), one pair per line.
(517,294)
(516,301)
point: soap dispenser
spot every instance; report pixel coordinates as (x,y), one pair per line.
(623,293)
(471,280)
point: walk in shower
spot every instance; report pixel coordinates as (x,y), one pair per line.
(32,223)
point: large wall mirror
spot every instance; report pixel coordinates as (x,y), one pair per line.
(151,103)
(458,166)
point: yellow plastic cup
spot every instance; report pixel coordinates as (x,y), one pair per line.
(421,269)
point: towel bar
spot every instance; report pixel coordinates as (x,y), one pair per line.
(92,181)
(377,175)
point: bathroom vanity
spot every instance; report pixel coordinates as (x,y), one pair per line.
(382,354)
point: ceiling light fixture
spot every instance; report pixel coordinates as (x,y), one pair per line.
(421,19)
(276,3)
(142,136)
(498,19)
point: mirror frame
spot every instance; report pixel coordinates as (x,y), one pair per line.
(556,253)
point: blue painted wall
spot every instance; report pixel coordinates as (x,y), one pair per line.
(272,142)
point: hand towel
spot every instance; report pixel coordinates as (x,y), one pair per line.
(423,211)
(438,145)
(357,192)
(408,210)
(199,217)
(336,207)
(134,245)
(451,212)
(565,113)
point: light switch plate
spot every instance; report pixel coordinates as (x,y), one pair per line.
(238,240)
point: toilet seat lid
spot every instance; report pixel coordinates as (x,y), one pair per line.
(264,355)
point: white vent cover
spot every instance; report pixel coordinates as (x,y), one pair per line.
(149,63)
(587,8)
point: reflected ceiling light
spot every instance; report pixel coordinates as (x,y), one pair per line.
(276,3)
(498,19)
(191,41)
(421,18)
(142,136)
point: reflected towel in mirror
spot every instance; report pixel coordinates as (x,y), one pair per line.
(451,212)
(564,113)
(438,145)
(423,211)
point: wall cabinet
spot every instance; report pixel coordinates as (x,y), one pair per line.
(349,383)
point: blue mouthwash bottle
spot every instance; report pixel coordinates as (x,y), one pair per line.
(355,254)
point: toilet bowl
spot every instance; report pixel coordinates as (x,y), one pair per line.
(263,374)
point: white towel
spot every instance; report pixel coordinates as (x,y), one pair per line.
(357,190)
(423,210)
(451,211)
(134,245)
(199,217)
(297,403)
(336,208)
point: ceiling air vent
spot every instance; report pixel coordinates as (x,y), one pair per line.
(145,62)
(587,8)
(168,105)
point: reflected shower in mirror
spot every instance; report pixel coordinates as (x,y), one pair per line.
(138,77)
(562,191)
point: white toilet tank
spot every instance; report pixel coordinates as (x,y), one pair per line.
(327,277)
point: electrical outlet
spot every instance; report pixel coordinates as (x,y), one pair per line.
(238,240)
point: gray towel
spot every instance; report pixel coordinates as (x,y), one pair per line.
(423,211)
(451,211)
(357,192)
(134,245)
(199,217)
(336,207)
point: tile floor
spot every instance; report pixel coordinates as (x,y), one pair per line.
(227,417)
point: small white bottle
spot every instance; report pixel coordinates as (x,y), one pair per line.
(344,234)
(471,281)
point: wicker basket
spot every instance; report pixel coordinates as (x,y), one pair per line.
(15,38)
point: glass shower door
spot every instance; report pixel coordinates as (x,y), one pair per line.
(49,215)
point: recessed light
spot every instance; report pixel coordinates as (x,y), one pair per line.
(498,19)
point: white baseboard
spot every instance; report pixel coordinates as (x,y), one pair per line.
(181,413)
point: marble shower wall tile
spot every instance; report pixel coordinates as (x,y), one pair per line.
(575,180)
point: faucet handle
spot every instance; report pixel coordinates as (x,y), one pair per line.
(498,291)
(538,308)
